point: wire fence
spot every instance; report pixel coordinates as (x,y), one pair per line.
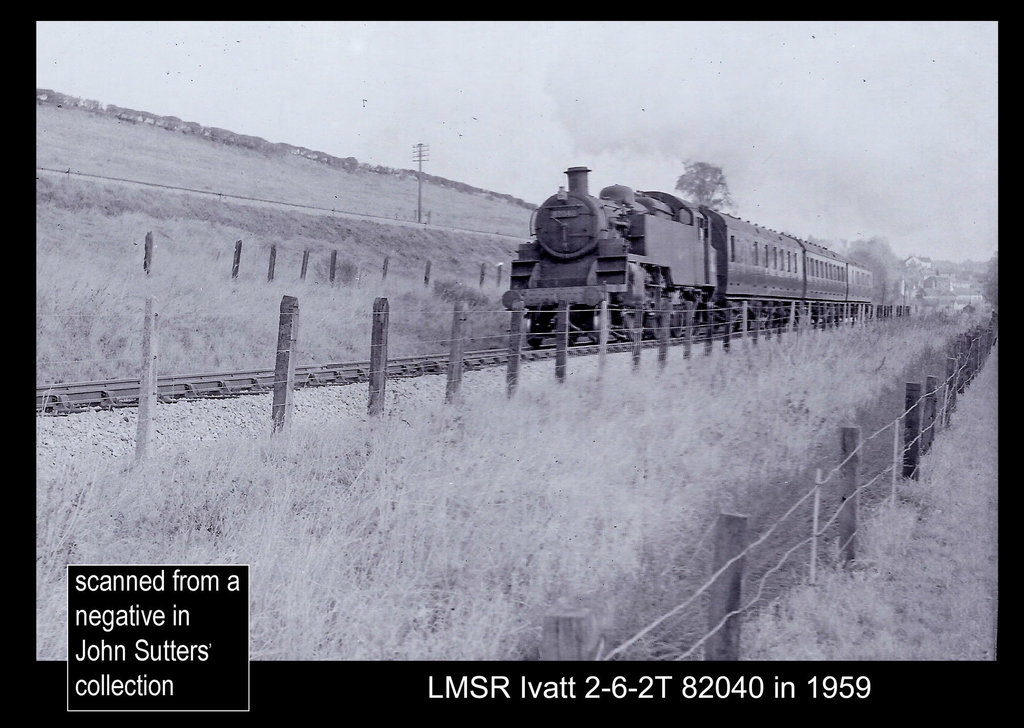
(969,351)
(925,410)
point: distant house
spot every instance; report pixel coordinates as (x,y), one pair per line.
(918,263)
(945,293)
(935,285)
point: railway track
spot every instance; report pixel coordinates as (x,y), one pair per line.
(69,398)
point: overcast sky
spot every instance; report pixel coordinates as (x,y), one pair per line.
(824,129)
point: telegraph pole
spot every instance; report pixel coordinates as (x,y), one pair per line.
(420,154)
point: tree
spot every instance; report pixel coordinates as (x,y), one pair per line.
(704,184)
(990,284)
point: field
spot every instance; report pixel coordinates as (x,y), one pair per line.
(99,145)
(90,284)
(435,532)
(445,533)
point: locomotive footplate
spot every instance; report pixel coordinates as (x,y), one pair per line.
(585,295)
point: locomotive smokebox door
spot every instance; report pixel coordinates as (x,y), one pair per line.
(571,228)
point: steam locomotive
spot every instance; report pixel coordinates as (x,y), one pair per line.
(652,253)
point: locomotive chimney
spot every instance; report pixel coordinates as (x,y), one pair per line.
(578,180)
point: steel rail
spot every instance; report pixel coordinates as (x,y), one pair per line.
(68,398)
(71,397)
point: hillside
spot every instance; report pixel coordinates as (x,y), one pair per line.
(196,197)
(103,144)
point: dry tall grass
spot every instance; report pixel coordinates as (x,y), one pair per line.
(446,532)
(925,584)
(90,285)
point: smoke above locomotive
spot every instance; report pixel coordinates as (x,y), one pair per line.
(652,254)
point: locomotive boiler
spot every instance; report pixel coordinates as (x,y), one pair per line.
(652,253)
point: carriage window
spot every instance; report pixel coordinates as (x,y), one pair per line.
(765,256)
(732,248)
(775,257)
(755,252)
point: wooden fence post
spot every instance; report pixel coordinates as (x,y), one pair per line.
(602,336)
(725,592)
(515,347)
(384,269)
(455,351)
(850,472)
(961,362)
(894,472)
(147,261)
(426,274)
(378,356)
(571,634)
(709,339)
(272,263)
(755,330)
(688,330)
(911,430)
(815,511)
(305,264)
(334,265)
(638,335)
(743,322)
(727,333)
(930,386)
(147,380)
(237,260)
(663,330)
(792,316)
(561,339)
(949,399)
(284,370)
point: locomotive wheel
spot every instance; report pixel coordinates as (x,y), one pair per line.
(631,323)
(675,324)
(534,342)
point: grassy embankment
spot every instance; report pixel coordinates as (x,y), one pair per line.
(925,586)
(447,532)
(84,142)
(90,285)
